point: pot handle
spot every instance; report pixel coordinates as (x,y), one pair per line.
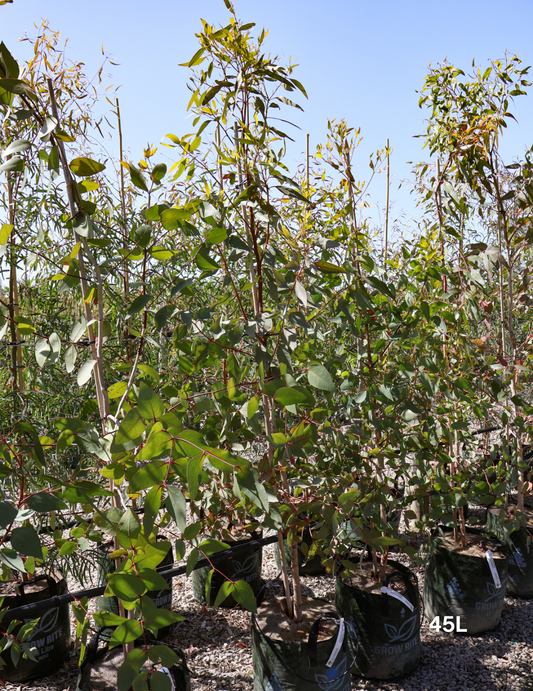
(325,684)
(411,591)
(52,585)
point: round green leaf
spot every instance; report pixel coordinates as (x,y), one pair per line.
(320,378)
(84,167)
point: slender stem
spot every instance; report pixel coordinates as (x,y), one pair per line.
(286,585)
(307,164)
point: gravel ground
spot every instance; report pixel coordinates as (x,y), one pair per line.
(217,645)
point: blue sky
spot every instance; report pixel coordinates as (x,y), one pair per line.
(363,61)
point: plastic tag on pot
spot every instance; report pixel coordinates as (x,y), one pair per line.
(493,570)
(398,596)
(338,644)
(165,670)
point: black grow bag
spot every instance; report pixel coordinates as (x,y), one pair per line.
(51,637)
(245,566)
(297,666)
(520,555)
(388,630)
(462,585)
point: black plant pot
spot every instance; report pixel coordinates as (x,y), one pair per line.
(459,583)
(51,637)
(388,628)
(289,665)
(520,554)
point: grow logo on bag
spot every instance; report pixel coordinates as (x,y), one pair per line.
(495,596)
(403,632)
(245,569)
(45,634)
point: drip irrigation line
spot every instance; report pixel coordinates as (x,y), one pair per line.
(27,611)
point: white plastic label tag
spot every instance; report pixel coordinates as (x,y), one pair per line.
(398,596)
(493,570)
(165,670)
(338,644)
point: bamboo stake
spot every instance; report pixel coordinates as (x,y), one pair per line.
(307,164)
(255,300)
(387,206)
(101,390)
(14,309)
(219,162)
(126,275)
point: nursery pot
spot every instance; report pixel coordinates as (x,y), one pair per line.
(304,665)
(245,566)
(51,637)
(162,598)
(102,674)
(307,567)
(388,628)
(459,582)
(520,554)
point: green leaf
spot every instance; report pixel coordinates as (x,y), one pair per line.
(85,372)
(138,178)
(106,618)
(194,475)
(12,560)
(126,586)
(163,654)
(5,232)
(223,593)
(152,580)
(287,396)
(8,513)
(157,445)
(127,632)
(129,669)
(191,561)
(17,146)
(150,404)
(177,506)
(319,378)
(211,546)
(216,235)
(128,529)
(43,502)
(242,592)
(151,475)
(26,542)
(10,65)
(131,427)
(159,171)
(160,681)
(14,165)
(83,167)
(156,619)
(17,86)
(138,304)
(71,356)
(48,350)
(328,268)
(117,390)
